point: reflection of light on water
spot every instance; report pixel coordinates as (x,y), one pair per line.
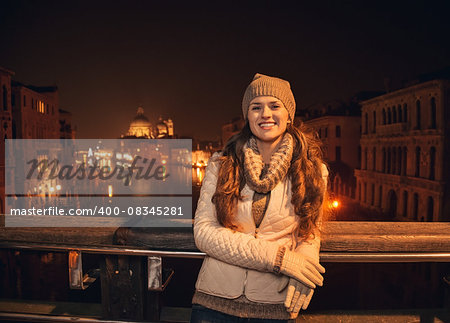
(164,171)
(197,176)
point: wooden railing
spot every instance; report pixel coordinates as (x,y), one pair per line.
(132,248)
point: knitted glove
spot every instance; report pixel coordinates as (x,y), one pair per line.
(298,295)
(303,268)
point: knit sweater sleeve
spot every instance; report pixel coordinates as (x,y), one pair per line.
(222,243)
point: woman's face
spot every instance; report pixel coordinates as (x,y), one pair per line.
(267,118)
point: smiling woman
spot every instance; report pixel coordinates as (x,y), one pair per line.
(267,118)
(258,215)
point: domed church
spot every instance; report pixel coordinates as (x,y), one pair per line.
(140,127)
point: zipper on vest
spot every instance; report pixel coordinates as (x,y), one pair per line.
(245,281)
(246,271)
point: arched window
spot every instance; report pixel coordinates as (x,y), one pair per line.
(335,185)
(417,160)
(338,131)
(359,157)
(416,207)
(383,164)
(399,160)
(430,209)
(418,114)
(384,116)
(405,112)
(404,161)
(392,203)
(405,203)
(14,130)
(5,98)
(433,113)
(432,163)
(372,194)
(380,195)
(389,116)
(359,191)
(394,114)
(366,123)
(365,158)
(365,192)
(394,160)
(374,121)
(400,115)
(388,170)
(374,159)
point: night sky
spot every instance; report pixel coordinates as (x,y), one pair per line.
(191,61)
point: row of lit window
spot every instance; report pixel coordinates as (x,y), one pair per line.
(394,161)
(36,105)
(398,114)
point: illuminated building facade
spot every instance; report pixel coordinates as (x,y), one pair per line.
(35,112)
(164,128)
(6,126)
(140,127)
(340,141)
(404,148)
(28,112)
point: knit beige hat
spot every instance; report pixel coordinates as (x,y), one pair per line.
(263,85)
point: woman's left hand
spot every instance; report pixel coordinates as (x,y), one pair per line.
(298,295)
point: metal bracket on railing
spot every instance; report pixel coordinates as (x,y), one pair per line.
(76,278)
(158,278)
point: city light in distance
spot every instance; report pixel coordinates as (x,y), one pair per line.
(335,204)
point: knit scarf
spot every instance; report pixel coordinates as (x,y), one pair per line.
(278,166)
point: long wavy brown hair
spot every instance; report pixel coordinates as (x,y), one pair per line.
(305,174)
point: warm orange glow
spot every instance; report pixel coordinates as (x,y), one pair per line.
(110,191)
(335,204)
(199,175)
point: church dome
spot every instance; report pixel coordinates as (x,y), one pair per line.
(140,120)
(140,126)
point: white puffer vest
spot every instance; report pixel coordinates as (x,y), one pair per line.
(241,262)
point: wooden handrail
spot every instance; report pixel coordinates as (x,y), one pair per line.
(337,237)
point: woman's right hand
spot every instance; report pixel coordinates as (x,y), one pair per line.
(302,268)
(298,295)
